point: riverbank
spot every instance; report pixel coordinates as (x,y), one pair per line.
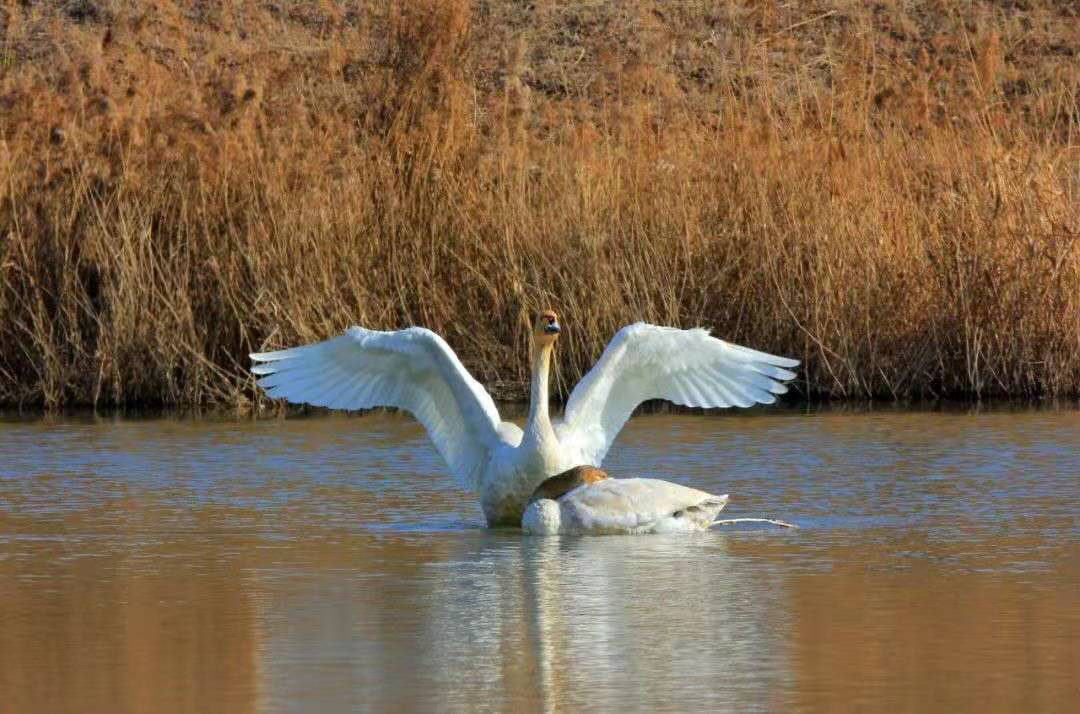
(887,194)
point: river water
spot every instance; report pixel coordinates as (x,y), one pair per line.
(329,564)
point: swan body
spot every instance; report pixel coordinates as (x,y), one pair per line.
(625,506)
(415,370)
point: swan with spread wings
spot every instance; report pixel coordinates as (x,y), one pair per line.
(415,370)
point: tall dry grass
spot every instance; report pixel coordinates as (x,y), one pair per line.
(887,192)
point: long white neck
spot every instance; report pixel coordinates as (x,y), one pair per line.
(539,424)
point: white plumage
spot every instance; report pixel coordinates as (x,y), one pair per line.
(687,367)
(412,369)
(628,506)
(415,370)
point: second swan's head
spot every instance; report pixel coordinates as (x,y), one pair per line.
(547,328)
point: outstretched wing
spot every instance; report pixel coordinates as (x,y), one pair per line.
(412,369)
(687,367)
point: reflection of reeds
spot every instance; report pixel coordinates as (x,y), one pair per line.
(121,633)
(921,635)
(182,186)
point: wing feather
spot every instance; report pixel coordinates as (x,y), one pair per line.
(688,367)
(700,389)
(412,369)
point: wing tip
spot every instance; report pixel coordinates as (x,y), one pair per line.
(273,356)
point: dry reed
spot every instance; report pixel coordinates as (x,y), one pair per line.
(888,192)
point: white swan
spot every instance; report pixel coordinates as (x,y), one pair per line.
(415,370)
(586,500)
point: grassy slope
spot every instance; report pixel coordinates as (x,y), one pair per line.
(888,191)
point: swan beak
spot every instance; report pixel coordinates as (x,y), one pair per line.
(552,328)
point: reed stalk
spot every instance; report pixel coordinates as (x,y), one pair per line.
(887,192)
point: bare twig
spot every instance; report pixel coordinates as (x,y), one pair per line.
(789,28)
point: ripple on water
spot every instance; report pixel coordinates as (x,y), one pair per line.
(330,564)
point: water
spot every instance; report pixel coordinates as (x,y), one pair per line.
(329,564)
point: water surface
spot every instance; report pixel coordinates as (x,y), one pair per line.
(329,564)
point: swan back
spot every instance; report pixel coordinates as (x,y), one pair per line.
(632,505)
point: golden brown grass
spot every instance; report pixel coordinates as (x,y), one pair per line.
(889,192)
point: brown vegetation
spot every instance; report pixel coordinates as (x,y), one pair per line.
(888,191)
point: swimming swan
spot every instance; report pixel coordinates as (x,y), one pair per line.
(415,370)
(586,500)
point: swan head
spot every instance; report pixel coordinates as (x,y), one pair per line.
(547,329)
(559,485)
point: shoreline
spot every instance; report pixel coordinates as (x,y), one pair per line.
(517,410)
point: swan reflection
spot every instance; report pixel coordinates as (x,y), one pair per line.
(563,622)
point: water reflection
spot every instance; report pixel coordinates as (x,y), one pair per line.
(616,620)
(982,641)
(103,624)
(191,565)
(570,622)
